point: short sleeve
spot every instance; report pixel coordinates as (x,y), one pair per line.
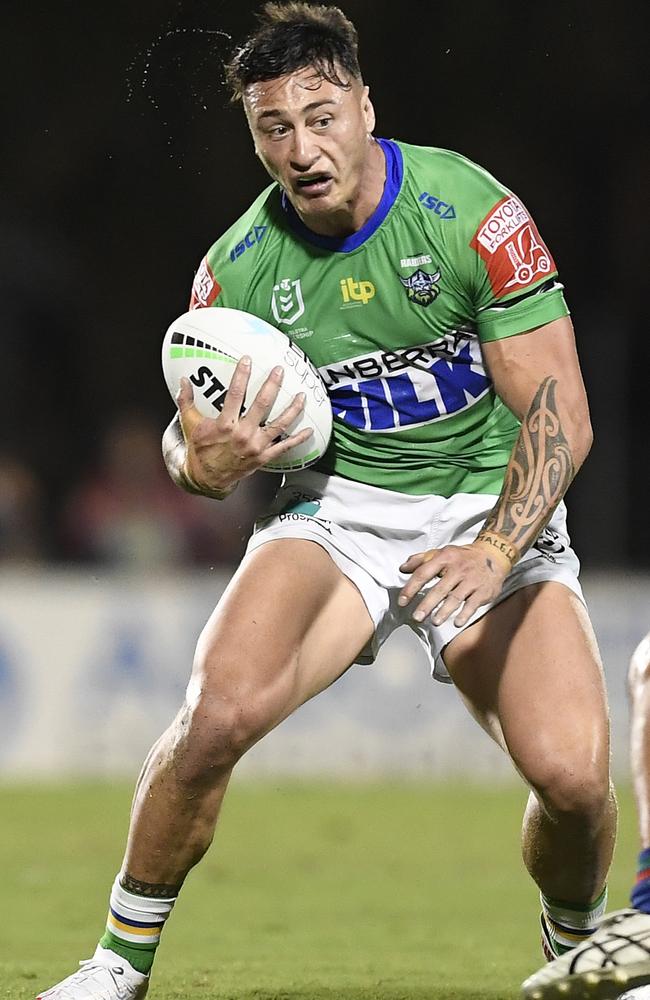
(205,287)
(516,286)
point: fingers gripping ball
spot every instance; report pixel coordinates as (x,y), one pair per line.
(204,345)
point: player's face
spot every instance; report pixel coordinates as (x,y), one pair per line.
(314,139)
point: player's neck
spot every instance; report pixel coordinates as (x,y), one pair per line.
(354,214)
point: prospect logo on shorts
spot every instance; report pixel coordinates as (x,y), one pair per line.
(299,507)
(287,302)
(389,390)
(508,241)
(421,287)
(205,287)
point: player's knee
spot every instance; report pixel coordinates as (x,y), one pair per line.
(216,728)
(580,789)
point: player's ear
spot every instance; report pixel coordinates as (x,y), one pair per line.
(367,109)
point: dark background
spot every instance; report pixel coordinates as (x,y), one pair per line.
(123,161)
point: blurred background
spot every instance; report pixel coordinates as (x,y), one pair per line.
(123,161)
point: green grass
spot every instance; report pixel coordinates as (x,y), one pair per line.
(310,892)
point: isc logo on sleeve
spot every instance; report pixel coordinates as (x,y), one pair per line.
(251,239)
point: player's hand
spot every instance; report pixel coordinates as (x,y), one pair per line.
(223,450)
(468,577)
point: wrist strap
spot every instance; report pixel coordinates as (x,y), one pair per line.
(189,482)
(499,545)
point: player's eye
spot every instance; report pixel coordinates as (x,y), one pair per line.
(277,131)
(322,122)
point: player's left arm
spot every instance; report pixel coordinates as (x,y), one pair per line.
(538,377)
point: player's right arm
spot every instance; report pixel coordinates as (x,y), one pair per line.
(209,456)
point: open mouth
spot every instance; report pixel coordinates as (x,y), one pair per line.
(314,184)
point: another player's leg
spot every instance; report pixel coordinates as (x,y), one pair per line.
(530,673)
(639,690)
(278,637)
(617,956)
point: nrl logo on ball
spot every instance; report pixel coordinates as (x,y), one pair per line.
(421,287)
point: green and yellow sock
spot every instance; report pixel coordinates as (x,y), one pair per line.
(568,924)
(134,926)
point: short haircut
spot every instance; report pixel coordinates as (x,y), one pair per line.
(293,36)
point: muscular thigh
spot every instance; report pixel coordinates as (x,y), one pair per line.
(530,673)
(287,626)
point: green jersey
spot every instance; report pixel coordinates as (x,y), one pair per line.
(393,316)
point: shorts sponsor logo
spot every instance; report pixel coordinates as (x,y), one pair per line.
(421,287)
(303,507)
(424,258)
(391,390)
(205,287)
(287,302)
(509,243)
(436,205)
(356,293)
(550,544)
(251,239)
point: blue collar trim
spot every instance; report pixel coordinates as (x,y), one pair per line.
(343,244)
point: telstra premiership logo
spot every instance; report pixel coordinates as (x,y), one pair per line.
(356,293)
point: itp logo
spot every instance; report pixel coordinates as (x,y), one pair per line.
(356,293)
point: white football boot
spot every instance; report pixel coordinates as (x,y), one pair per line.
(105,976)
(616,957)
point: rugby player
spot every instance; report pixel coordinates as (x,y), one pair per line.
(422,290)
(617,956)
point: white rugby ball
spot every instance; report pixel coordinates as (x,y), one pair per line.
(640,993)
(204,345)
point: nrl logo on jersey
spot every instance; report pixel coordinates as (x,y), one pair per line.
(287,302)
(421,287)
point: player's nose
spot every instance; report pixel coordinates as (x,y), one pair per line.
(304,151)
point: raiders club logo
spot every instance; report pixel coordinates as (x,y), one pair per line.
(421,287)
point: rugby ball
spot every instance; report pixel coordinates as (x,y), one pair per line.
(640,993)
(204,345)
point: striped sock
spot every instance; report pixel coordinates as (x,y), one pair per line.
(640,897)
(134,926)
(568,924)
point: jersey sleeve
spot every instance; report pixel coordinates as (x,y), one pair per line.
(516,286)
(507,272)
(223,276)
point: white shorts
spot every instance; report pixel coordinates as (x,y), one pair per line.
(369,532)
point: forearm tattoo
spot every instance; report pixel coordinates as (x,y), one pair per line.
(153,890)
(538,475)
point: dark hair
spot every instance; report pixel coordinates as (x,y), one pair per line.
(292,36)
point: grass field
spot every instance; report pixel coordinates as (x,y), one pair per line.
(310,892)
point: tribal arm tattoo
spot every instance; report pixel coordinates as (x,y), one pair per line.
(539,472)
